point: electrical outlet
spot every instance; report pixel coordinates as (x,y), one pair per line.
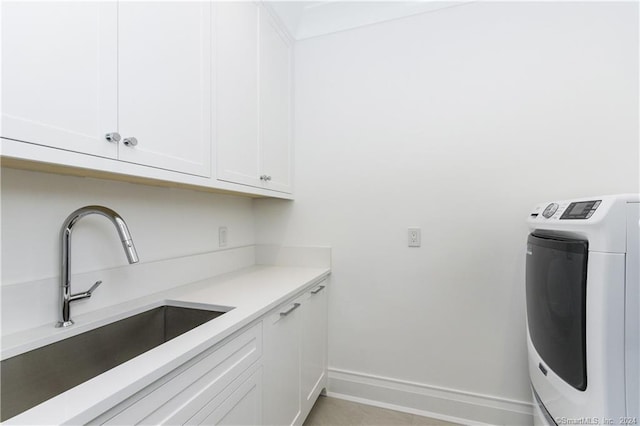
(222,236)
(414,237)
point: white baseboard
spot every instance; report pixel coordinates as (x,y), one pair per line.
(429,401)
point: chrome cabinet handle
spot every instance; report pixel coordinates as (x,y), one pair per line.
(291,309)
(113,137)
(130,141)
(265,178)
(317,289)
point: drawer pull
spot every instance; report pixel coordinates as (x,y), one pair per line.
(291,309)
(317,289)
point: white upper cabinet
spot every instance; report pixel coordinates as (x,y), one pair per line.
(236,91)
(75,71)
(189,92)
(253,97)
(275,106)
(164,90)
(59,74)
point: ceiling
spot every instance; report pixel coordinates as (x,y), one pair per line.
(306,19)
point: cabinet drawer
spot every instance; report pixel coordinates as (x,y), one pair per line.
(239,404)
(179,395)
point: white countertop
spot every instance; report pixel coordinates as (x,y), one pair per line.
(250,292)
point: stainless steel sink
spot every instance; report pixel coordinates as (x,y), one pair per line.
(30,378)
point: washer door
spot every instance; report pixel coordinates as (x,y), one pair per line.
(556,284)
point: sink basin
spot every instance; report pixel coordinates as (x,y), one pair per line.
(30,378)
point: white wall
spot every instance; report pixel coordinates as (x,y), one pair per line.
(456,122)
(166,224)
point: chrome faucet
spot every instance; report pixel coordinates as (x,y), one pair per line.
(65,234)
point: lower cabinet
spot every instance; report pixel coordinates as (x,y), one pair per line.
(295,357)
(270,373)
(313,346)
(281,360)
(201,389)
(242,405)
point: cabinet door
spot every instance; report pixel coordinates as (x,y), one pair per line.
(281,363)
(314,346)
(275,106)
(59,74)
(236,92)
(164,93)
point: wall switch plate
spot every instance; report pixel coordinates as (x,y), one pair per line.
(222,236)
(414,237)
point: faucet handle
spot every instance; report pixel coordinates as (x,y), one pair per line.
(85,294)
(93,287)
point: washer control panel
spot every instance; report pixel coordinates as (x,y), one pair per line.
(567,210)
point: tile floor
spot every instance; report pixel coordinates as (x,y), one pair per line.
(337,412)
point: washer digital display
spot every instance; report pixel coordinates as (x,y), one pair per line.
(580,210)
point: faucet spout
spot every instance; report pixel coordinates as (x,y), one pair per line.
(65,235)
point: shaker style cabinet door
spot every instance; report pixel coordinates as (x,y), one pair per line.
(314,346)
(164,86)
(253,97)
(275,106)
(281,365)
(236,91)
(59,74)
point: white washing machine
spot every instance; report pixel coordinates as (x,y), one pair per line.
(583,310)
